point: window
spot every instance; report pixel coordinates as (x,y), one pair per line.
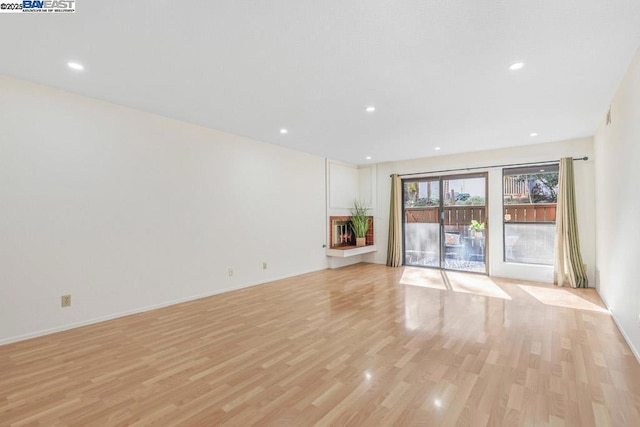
(529,206)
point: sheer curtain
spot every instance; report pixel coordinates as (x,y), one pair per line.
(568,265)
(394,248)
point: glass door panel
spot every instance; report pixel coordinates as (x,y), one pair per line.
(464,225)
(422,222)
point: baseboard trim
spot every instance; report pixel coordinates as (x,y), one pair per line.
(108,317)
(624,334)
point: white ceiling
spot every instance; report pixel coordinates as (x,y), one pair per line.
(436,70)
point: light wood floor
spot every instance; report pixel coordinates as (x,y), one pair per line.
(364,345)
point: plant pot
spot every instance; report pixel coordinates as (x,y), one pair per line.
(361,241)
(476,234)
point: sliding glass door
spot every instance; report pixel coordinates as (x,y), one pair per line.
(445,222)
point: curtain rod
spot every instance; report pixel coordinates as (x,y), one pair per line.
(488,167)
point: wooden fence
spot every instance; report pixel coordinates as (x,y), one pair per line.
(539,212)
(462,215)
(453,215)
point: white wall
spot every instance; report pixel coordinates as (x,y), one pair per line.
(126,210)
(584,173)
(617,148)
(342,184)
(367,187)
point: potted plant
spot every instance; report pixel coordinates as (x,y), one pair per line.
(476,228)
(360,222)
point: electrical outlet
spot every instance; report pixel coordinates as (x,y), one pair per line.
(264,265)
(66,301)
(231,272)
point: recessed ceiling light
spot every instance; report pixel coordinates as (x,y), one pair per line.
(516,66)
(368,157)
(284,131)
(533,134)
(370,109)
(75,66)
(437,148)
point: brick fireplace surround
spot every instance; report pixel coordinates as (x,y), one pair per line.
(332,220)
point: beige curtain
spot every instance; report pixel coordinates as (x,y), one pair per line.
(568,266)
(394,248)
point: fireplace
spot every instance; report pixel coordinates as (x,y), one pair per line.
(341,234)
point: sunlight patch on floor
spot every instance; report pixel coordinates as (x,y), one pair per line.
(476,284)
(458,282)
(424,277)
(561,298)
